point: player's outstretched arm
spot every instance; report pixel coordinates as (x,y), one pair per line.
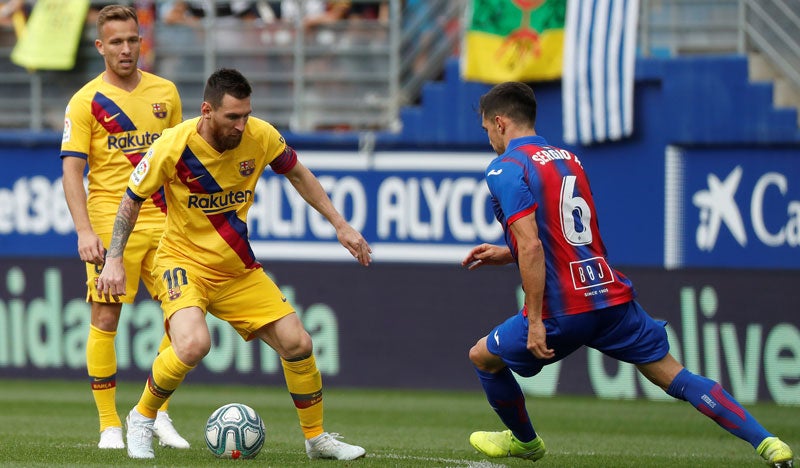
(111,282)
(487,254)
(312,192)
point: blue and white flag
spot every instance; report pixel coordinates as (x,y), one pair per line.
(597,80)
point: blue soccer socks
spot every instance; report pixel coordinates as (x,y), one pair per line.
(506,398)
(712,400)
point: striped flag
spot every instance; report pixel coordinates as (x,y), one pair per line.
(597,80)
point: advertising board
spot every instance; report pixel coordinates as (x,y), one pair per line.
(401,325)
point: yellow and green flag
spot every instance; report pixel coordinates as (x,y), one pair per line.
(513,40)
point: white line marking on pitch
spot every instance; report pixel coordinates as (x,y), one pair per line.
(447,461)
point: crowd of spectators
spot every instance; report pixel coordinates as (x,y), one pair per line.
(341,38)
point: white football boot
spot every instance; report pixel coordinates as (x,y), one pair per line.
(111,438)
(140,435)
(326,445)
(166,433)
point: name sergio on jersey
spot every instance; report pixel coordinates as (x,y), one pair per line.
(132,141)
(544,156)
(219,202)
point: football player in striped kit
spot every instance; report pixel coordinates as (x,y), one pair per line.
(573,297)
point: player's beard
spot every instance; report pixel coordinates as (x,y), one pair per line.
(232,141)
(228,142)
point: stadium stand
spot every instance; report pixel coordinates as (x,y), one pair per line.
(362,76)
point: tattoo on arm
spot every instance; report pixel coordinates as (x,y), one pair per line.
(123,225)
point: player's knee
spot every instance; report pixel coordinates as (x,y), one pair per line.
(192,350)
(105,316)
(477,355)
(301,347)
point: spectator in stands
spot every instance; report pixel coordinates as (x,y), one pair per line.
(8,9)
(236,24)
(375,11)
(333,12)
(192,12)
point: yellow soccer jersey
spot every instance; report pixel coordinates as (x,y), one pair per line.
(112,129)
(209,193)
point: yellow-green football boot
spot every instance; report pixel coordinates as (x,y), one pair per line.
(504,444)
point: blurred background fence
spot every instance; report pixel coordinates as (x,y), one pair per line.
(355,70)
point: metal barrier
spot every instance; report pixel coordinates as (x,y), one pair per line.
(355,75)
(349,74)
(684,27)
(772,27)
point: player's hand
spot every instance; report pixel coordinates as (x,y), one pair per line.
(487,254)
(355,243)
(537,340)
(90,248)
(111,282)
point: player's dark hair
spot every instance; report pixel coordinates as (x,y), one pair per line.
(115,13)
(225,81)
(512,99)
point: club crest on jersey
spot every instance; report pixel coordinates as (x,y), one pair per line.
(160,109)
(247,167)
(174,293)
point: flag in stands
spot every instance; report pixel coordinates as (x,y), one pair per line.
(513,40)
(599,58)
(52,35)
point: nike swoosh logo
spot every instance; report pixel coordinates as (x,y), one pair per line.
(283,299)
(495,172)
(192,179)
(497,337)
(109,118)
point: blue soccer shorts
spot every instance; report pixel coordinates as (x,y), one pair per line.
(624,332)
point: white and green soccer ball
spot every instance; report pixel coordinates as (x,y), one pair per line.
(235,431)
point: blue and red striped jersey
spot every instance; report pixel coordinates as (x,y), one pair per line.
(532,176)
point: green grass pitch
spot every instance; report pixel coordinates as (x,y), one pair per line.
(49,423)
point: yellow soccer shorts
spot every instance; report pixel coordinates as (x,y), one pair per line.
(139,259)
(247,302)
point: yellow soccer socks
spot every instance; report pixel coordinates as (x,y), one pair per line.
(101,365)
(168,372)
(305,386)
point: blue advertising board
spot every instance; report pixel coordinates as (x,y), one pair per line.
(730,207)
(411,207)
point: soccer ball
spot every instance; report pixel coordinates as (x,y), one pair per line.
(235,431)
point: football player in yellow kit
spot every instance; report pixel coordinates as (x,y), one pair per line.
(109,125)
(209,167)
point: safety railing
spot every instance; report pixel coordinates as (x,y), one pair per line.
(355,75)
(772,27)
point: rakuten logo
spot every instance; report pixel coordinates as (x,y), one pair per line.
(219,202)
(718,206)
(132,141)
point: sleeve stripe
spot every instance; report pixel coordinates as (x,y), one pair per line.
(134,196)
(521,214)
(285,162)
(75,154)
